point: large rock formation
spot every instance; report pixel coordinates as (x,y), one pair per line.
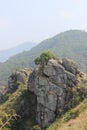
(3,91)
(1,97)
(56,88)
(20,76)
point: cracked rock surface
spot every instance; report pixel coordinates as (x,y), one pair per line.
(50,85)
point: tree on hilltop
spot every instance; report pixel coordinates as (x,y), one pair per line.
(44,57)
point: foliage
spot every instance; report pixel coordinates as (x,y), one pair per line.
(36,127)
(44,57)
(13,113)
(8,110)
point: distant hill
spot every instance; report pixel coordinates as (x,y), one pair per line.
(5,54)
(71,44)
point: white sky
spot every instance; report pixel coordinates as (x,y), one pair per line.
(35,20)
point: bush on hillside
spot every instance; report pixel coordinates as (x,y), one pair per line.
(44,57)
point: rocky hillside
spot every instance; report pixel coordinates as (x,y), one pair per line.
(71,44)
(74,119)
(40,96)
(57,88)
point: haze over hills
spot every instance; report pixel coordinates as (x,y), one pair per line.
(71,44)
(5,54)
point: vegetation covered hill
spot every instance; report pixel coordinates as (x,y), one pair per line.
(11,117)
(71,44)
(5,54)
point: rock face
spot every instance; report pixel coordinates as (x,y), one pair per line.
(19,76)
(54,87)
(3,91)
(1,97)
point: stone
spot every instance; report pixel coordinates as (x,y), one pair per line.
(3,92)
(1,97)
(52,87)
(70,66)
(42,81)
(16,78)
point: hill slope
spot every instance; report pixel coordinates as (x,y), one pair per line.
(71,44)
(5,54)
(75,119)
(18,109)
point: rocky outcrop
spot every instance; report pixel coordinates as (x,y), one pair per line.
(55,89)
(20,76)
(1,97)
(3,91)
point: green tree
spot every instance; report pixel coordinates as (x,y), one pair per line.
(44,57)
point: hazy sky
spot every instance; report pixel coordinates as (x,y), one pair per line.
(35,20)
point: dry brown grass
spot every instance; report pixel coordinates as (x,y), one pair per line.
(80,123)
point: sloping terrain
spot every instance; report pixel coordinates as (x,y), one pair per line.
(18,110)
(75,119)
(10,118)
(71,44)
(5,54)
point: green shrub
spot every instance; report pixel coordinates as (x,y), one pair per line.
(36,127)
(44,57)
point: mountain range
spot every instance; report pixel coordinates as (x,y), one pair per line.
(71,44)
(6,54)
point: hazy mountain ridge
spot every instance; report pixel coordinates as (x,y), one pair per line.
(5,54)
(71,44)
